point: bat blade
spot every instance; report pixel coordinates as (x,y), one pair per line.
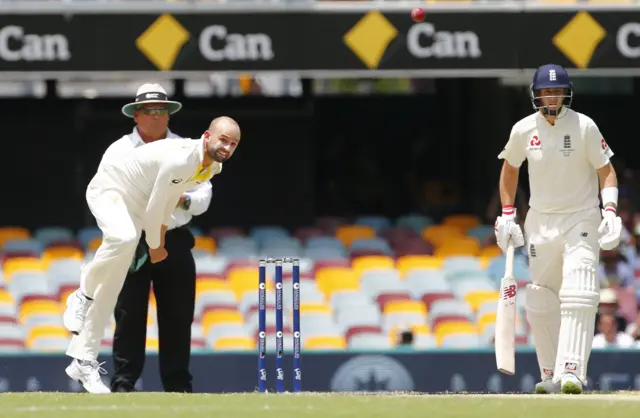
(505,338)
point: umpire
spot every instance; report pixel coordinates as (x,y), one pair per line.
(173,280)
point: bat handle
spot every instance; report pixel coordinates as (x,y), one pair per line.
(509,259)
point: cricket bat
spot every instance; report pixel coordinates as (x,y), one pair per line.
(505,338)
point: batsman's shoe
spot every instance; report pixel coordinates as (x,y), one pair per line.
(570,384)
(76,311)
(88,373)
(547,386)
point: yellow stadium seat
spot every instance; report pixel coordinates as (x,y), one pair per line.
(234,343)
(152,344)
(413,306)
(5,297)
(349,233)
(8,233)
(207,283)
(490,251)
(326,343)
(55,253)
(20,264)
(308,308)
(486,319)
(475,299)
(46,331)
(463,222)
(408,262)
(453,327)
(94,244)
(459,247)
(219,316)
(438,234)
(368,262)
(206,244)
(32,307)
(333,279)
(245,279)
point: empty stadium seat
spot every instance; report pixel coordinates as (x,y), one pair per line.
(408,262)
(52,234)
(25,247)
(237,343)
(349,233)
(462,221)
(219,233)
(377,223)
(439,234)
(372,262)
(335,342)
(416,222)
(370,342)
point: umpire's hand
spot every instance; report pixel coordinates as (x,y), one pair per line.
(156,255)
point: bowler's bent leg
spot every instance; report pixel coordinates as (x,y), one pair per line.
(102,279)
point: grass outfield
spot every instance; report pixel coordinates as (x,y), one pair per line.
(317,405)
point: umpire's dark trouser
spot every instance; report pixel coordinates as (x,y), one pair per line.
(174,284)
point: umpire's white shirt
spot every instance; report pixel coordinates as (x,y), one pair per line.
(200,195)
(562,158)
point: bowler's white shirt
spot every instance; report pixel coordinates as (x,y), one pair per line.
(622,341)
(153,177)
(200,195)
(562,158)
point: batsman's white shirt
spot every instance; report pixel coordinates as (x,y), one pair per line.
(200,195)
(152,178)
(562,158)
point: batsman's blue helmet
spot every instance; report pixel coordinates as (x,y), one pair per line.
(551,76)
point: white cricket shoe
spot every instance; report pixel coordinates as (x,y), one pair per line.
(571,385)
(88,375)
(547,386)
(76,312)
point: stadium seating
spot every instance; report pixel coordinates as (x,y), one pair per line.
(363,280)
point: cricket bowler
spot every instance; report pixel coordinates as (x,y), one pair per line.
(569,165)
(128,194)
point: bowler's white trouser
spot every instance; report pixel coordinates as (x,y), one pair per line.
(102,278)
(562,300)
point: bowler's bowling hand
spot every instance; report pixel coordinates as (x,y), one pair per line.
(156,255)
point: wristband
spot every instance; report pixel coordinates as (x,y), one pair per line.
(609,195)
(508,210)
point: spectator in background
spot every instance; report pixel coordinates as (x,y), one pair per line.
(634,329)
(617,275)
(610,336)
(609,306)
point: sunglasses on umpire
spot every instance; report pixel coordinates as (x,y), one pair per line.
(154,111)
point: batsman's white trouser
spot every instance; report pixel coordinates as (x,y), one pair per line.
(102,278)
(563,298)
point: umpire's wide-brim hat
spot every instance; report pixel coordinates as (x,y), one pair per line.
(151,93)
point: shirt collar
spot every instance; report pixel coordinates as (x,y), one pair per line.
(561,115)
(137,141)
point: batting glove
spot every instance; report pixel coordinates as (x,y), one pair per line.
(610,228)
(506,227)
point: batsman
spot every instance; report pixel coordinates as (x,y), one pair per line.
(569,166)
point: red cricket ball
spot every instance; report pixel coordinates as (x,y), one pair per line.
(418,14)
